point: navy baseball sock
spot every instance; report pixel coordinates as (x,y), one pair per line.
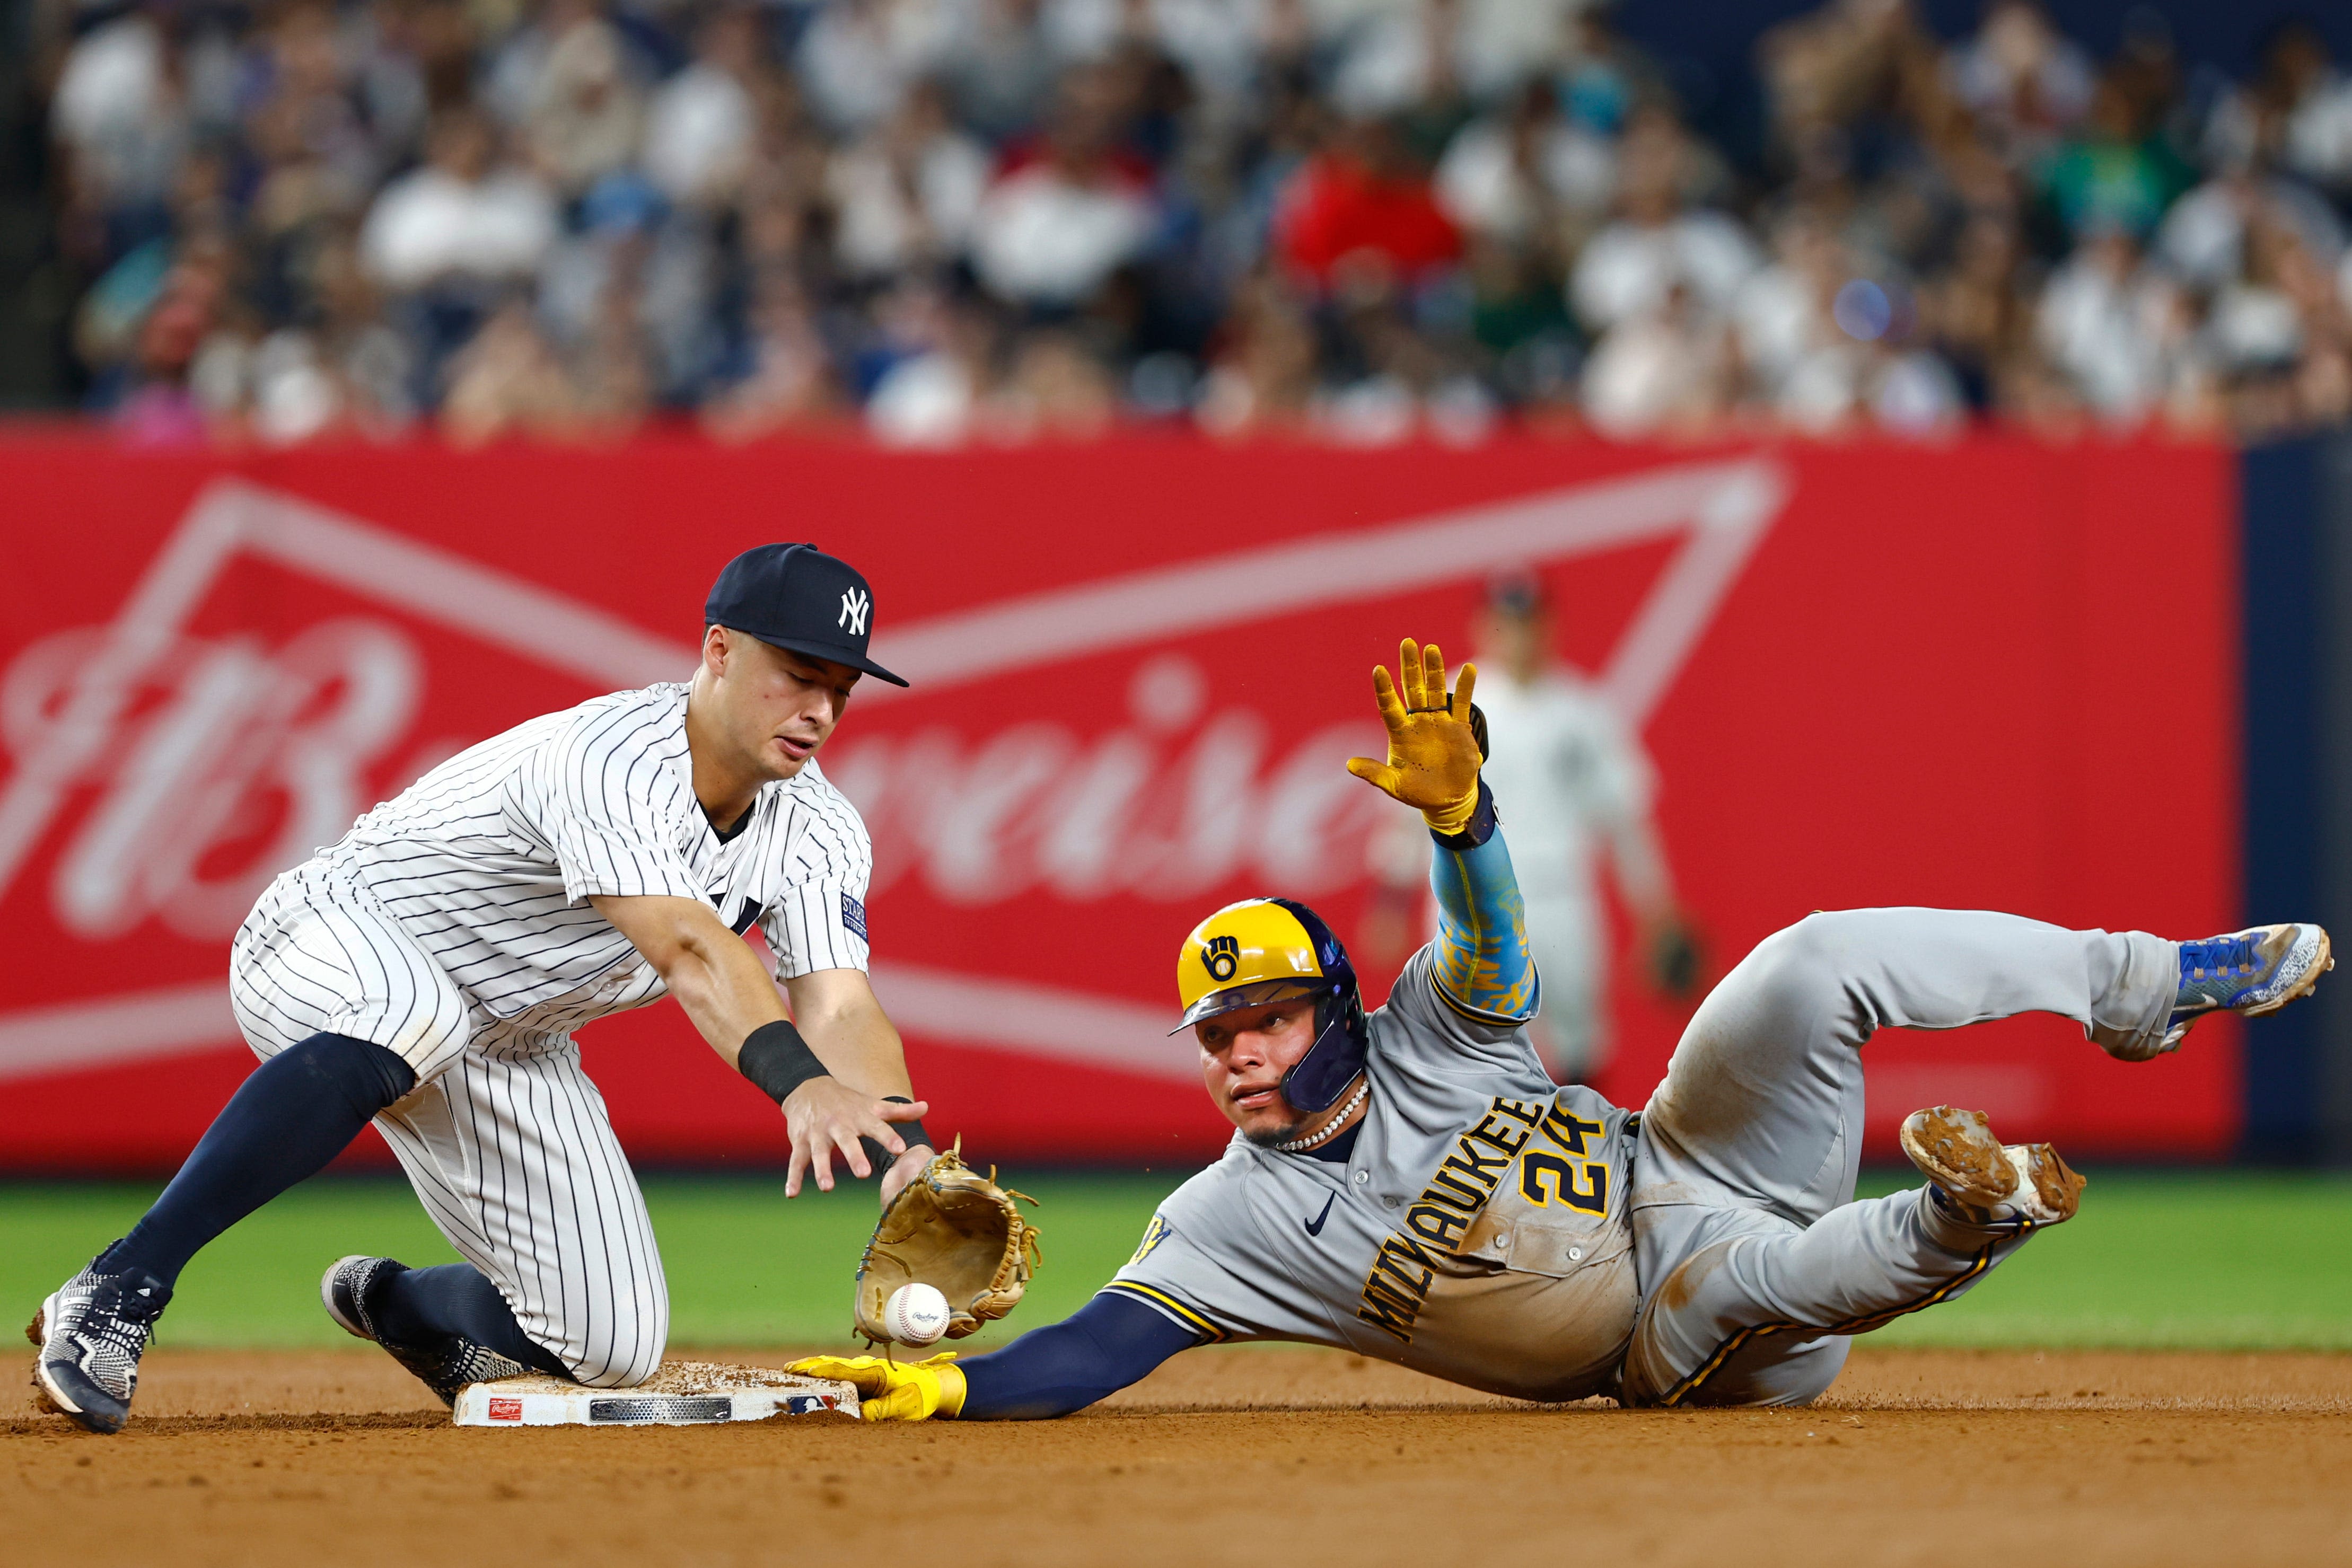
(296,1112)
(419,1306)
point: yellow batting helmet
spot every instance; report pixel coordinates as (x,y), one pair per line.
(1264,950)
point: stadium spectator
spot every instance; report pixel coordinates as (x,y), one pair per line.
(701,126)
(859,57)
(120,115)
(1061,219)
(790,382)
(585,114)
(2024,83)
(1661,240)
(1364,195)
(1664,366)
(908,194)
(508,378)
(2115,172)
(2295,113)
(462,216)
(1533,177)
(1000,68)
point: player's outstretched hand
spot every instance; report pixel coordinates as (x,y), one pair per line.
(892,1390)
(1432,763)
(825,1115)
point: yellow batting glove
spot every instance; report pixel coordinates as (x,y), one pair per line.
(1433,752)
(893,1390)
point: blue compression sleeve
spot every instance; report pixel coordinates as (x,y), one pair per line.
(1483,965)
(292,1114)
(1099,1349)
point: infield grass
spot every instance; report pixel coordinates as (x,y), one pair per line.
(2205,1259)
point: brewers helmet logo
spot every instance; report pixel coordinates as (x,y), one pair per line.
(1221,957)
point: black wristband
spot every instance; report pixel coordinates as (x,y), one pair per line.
(778,1060)
(912,1132)
(1477,829)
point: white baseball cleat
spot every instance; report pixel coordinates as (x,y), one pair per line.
(1990,1182)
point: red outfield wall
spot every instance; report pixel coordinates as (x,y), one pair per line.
(1992,673)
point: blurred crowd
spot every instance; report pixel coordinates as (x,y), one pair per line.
(1367,219)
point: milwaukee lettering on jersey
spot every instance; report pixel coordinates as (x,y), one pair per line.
(1436,1224)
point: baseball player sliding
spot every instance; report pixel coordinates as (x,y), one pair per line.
(1411,1186)
(427,972)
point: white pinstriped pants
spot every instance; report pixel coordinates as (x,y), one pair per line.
(508,1147)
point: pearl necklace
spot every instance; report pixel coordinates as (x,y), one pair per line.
(1300,1146)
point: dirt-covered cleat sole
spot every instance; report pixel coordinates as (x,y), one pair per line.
(46,1398)
(1989,1182)
(2251,973)
(1956,1150)
(2057,1185)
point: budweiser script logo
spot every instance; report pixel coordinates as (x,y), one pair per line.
(1184,798)
(228,759)
(186,769)
(225,761)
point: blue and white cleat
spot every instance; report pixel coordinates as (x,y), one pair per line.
(2251,972)
(91,1330)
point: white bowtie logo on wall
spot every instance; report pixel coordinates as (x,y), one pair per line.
(854,606)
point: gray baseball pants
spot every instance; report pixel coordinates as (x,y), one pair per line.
(1755,1261)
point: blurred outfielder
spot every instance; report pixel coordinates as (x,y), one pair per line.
(1577,787)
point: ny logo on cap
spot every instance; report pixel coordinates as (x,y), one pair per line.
(854,606)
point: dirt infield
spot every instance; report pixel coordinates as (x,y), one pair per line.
(1239,1456)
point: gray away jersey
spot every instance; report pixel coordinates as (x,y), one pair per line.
(1478,1231)
(489,862)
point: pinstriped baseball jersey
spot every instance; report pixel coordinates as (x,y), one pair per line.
(1478,1230)
(488,862)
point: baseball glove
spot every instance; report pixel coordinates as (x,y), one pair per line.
(957,1230)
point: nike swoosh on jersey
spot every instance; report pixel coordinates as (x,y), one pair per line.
(1315,1226)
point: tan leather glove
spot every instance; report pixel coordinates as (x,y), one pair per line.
(1434,753)
(954,1228)
(893,1390)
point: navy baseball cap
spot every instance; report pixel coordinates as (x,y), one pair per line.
(799,598)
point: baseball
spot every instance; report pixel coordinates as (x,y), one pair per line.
(916,1314)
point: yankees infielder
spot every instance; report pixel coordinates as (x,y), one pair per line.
(1411,1186)
(428,972)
